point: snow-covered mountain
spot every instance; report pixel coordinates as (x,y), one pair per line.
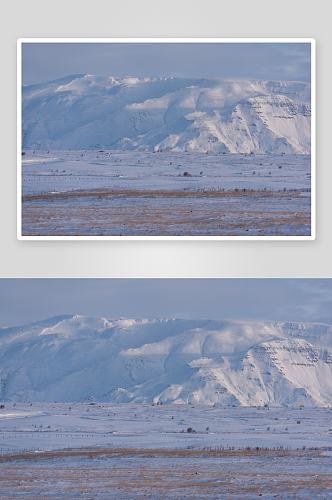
(77,358)
(165,113)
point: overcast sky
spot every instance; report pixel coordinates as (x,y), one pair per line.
(42,62)
(23,301)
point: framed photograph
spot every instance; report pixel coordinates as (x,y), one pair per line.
(166,139)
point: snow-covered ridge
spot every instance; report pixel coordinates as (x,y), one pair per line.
(167,113)
(77,358)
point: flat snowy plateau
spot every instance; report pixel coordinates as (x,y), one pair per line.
(166,156)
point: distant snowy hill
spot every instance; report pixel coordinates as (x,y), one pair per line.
(76,358)
(177,114)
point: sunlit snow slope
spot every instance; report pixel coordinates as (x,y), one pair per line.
(76,358)
(177,114)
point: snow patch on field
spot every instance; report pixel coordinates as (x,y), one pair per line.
(48,426)
(62,171)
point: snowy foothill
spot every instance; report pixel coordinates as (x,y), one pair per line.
(167,360)
(88,112)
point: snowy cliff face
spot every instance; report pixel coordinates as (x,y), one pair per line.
(177,114)
(76,358)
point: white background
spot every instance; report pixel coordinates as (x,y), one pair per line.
(165,18)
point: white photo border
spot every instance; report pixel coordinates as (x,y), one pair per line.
(312,41)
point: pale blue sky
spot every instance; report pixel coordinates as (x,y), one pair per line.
(23,301)
(42,62)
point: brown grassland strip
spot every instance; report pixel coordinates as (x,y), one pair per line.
(166,213)
(167,473)
(152,193)
(103,472)
(98,451)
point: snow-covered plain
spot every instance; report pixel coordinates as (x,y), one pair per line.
(93,193)
(84,450)
(62,171)
(181,361)
(48,426)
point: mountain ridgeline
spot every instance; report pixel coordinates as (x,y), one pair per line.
(85,112)
(178,361)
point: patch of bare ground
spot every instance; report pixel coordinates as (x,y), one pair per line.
(130,473)
(133,212)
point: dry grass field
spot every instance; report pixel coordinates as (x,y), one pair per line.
(128,473)
(135,212)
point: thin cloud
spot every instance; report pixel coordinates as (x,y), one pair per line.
(48,61)
(23,301)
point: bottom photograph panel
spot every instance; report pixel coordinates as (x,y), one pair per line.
(166,388)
